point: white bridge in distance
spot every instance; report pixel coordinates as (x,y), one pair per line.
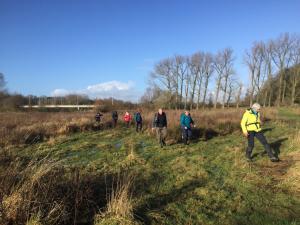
(59,106)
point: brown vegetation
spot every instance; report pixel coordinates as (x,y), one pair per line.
(29,128)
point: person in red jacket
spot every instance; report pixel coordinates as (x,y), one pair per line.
(127,119)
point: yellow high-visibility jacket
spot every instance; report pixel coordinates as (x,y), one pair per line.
(250,121)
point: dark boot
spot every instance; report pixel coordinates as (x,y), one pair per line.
(185,141)
(248,154)
(161,143)
(274,159)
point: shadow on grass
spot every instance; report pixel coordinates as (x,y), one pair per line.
(207,134)
(267,129)
(276,146)
(160,201)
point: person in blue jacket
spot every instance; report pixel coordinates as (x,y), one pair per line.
(186,123)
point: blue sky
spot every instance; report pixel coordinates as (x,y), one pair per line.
(79,45)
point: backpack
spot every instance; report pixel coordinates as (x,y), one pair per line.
(138,117)
(115,115)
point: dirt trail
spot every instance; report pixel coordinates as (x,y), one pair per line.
(287,171)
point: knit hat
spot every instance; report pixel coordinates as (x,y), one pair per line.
(256,106)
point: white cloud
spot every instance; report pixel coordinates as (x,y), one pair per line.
(60,92)
(110,86)
(116,89)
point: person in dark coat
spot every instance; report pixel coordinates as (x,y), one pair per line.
(138,121)
(98,117)
(114,116)
(186,124)
(160,126)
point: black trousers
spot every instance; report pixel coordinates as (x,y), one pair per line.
(138,126)
(186,134)
(114,122)
(262,139)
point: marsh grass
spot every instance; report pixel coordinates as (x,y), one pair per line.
(118,176)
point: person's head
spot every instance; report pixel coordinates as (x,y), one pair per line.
(160,111)
(187,113)
(256,107)
(126,112)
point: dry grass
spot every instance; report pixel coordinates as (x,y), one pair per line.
(34,220)
(119,209)
(29,190)
(32,127)
(28,128)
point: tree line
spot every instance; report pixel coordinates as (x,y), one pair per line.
(14,101)
(205,79)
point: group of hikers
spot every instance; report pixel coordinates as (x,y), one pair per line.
(250,124)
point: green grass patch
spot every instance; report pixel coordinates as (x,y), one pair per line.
(207,182)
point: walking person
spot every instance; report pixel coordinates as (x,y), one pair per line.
(127,119)
(114,116)
(251,127)
(98,117)
(138,121)
(160,126)
(186,123)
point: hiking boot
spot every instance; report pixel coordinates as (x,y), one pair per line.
(185,141)
(274,159)
(249,158)
(161,144)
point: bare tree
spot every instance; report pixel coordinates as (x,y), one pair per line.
(219,66)
(223,65)
(182,69)
(163,73)
(208,69)
(253,60)
(281,56)
(195,70)
(187,81)
(295,76)
(228,71)
(267,60)
(239,87)
(199,84)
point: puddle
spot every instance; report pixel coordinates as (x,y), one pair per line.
(118,145)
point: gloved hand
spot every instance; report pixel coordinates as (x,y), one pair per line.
(185,128)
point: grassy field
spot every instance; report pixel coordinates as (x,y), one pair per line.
(118,176)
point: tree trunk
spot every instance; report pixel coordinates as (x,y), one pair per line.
(225,92)
(239,97)
(283,91)
(193,92)
(265,98)
(181,92)
(205,91)
(279,89)
(217,93)
(270,98)
(293,93)
(199,91)
(186,93)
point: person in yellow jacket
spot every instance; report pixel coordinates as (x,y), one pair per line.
(251,127)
